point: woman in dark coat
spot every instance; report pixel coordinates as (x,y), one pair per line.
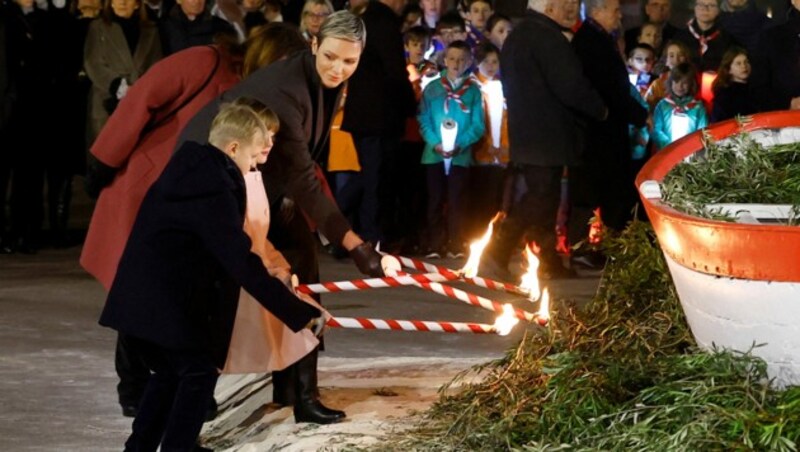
(303,90)
(29,68)
(120,46)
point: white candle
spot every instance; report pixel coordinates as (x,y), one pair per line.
(449,131)
(680,126)
(495,100)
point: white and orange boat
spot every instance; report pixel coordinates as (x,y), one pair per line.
(738,282)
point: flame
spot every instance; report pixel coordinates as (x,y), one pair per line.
(506,321)
(470,269)
(530,280)
(596,228)
(543,316)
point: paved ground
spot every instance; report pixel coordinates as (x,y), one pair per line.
(57,380)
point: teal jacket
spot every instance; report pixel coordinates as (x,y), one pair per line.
(662,119)
(471,125)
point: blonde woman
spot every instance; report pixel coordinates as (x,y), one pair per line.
(314,13)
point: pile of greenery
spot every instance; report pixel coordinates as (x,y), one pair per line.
(621,373)
(739,170)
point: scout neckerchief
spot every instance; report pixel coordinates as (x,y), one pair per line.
(454,95)
(678,108)
(703,37)
(474,36)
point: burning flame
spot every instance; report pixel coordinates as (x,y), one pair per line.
(596,228)
(543,316)
(470,269)
(530,280)
(506,321)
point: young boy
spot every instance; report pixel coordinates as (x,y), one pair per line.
(450,28)
(453,99)
(177,286)
(478,13)
(640,66)
(416,42)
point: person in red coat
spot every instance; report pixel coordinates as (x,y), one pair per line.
(136,143)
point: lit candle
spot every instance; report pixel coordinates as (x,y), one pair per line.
(496,103)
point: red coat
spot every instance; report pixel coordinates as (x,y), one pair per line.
(142,157)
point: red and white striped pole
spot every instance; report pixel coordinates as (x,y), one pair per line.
(478,281)
(410,325)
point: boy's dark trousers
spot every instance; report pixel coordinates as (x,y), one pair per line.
(445,190)
(173,407)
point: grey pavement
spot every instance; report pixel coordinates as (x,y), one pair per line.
(57,379)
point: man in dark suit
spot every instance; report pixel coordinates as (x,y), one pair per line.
(776,66)
(176,291)
(548,97)
(304,91)
(606,178)
(379,99)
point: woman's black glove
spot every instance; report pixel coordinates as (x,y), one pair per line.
(367,260)
(98,176)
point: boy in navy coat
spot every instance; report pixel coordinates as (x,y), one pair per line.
(176,291)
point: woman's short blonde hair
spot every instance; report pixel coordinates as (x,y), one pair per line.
(242,120)
(344,25)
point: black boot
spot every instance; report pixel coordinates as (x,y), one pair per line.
(283,387)
(307,407)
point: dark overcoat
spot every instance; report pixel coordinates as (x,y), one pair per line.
(292,89)
(548,96)
(188,256)
(379,95)
(776,66)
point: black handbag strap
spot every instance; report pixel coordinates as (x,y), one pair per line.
(175,110)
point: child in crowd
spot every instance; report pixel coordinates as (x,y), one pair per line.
(650,34)
(176,290)
(732,95)
(421,72)
(454,100)
(450,28)
(416,42)
(675,53)
(680,112)
(490,152)
(431,13)
(498,28)
(640,66)
(411,17)
(477,14)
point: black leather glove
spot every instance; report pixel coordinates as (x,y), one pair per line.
(367,260)
(98,176)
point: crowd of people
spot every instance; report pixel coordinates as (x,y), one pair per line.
(412,124)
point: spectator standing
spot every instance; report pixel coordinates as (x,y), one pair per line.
(190,24)
(605,179)
(732,93)
(455,99)
(498,27)
(675,53)
(478,13)
(548,96)
(744,22)
(705,38)
(30,66)
(680,112)
(314,13)
(431,12)
(120,46)
(379,99)
(656,12)
(776,69)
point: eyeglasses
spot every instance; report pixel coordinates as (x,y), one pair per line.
(706,6)
(642,59)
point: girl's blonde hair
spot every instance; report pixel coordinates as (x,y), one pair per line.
(241,120)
